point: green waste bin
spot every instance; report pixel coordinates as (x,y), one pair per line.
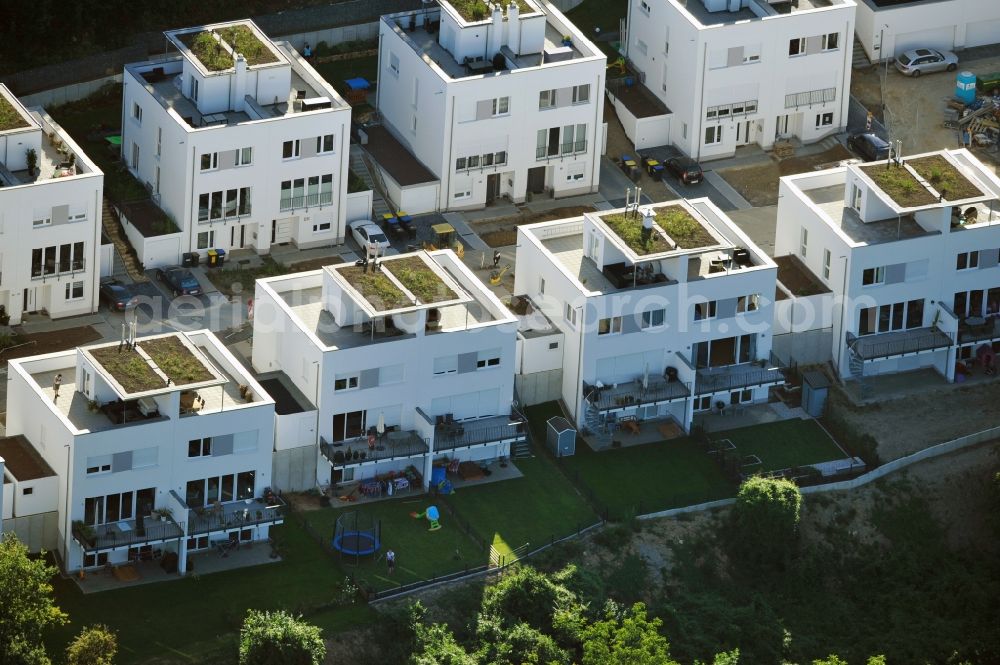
(213,258)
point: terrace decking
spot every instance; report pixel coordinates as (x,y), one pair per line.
(736,377)
(624,395)
(404,444)
(830,200)
(470,433)
(127,533)
(232,515)
(899,343)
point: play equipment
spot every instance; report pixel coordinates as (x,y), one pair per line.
(357,534)
(618,64)
(440,482)
(432,515)
(987,358)
(497,275)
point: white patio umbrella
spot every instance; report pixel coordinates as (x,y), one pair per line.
(645,378)
(380,427)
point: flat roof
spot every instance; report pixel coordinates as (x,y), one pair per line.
(230,37)
(830,200)
(678,228)
(396,158)
(58,156)
(756,10)
(22,460)
(14,116)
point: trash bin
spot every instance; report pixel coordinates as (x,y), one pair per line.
(213,258)
(189,259)
(221,253)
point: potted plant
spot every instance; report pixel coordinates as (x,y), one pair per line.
(364,454)
(356,454)
(338,456)
(243,390)
(4,316)
(93,406)
(164,513)
(84,531)
(260,515)
(31,156)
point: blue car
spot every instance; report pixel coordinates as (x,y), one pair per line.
(117,295)
(180,280)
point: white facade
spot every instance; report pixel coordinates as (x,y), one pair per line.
(200,450)
(532,128)
(50,221)
(245,157)
(908,283)
(953,25)
(695,320)
(744,72)
(408,366)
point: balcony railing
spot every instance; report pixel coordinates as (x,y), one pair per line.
(392,445)
(657,391)
(561,150)
(306,200)
(126,533)
(810,97)
(899,343)
(449,436)
(989,329)
(237,515)
(41,272)
(736,377)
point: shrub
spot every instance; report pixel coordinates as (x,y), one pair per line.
(766,521)
(95,645)
(278,638)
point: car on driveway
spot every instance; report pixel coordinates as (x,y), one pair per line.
(926,60)
(686,170)
(117,295)
(365,231)
(179,280)
(869,146)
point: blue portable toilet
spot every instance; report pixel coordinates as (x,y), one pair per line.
(965,87)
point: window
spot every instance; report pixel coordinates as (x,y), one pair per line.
(446,365)
(914,314)
(99,464)
(210,161)
(321,228)
(159,140)
(135,156)
(200,447)
(488,359)
(804,241)
(460,163)
(704,310)
(346,382)
(501,106)
(641,47)
(500,158)
(856,197)
(873,276)
(609,326)
(42,218)
(194,88)
(553,346)
(684,130)
(713,135)
(324,144)
(751,58)
(137,112)
(290,149)
(797,46)
(74,290)
(71,257)
(967,260)
(462,195)
(653,318)
(830,41)
(206,239)
(224,204)
(394,64)
(546,99)
(581,93)
(413,124)
(750,303)
(644,6)
(570,315)
(541,286)
(488,159)
(722,111)
(244,157)
(824,119)
(473,161)
(826,264)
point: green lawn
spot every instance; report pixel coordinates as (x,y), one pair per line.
(420,554)
(534,509)
(603,14)
(193,620)
(784,444)
(338,71)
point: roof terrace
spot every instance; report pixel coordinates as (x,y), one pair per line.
(214,47)
(750,10)
(830,200)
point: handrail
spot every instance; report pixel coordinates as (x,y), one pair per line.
(257,512)
(110,535)
(867,348)
(745,377)
(357,451)
(449,436)
(657,390)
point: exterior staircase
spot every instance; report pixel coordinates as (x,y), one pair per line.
(593,419)
(521,450)
(359,165)
(859,59)
(857,368)
(125,260)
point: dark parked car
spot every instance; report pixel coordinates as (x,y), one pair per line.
(686,170)
(117,296)
(180,280)
(869,146)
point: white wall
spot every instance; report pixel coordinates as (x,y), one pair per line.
(947,24)
(359,206)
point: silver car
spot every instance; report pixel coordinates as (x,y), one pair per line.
(925,60)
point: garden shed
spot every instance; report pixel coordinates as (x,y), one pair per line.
(560,436)
(815,387)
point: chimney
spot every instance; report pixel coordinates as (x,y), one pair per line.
(495,38)
(239,86)
(514,27)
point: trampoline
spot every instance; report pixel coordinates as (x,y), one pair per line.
(357,534)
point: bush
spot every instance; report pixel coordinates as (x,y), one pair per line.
(766,521)
(278,638)
(95,645)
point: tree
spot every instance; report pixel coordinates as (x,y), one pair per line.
(437,646)
(95,645)
(26,604)
(625,638)
(766,520)
(278,638)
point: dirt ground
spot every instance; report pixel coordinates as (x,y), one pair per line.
(49,342)
(502,231)
(759,184)
(619,144)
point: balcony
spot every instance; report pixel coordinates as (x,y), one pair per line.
(471,433)
(972,330)
(268,510)
(392,446)
(737,377)
(560,150)
(657,391)
(58,270)
(148,530)
(898,343)
(306,200)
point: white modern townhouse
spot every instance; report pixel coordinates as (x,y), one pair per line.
(500,103)
(739,72)
(909,253)
(239,141)
(148,451)
(407,363)
(886,28)
(50,217)
(664,310)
